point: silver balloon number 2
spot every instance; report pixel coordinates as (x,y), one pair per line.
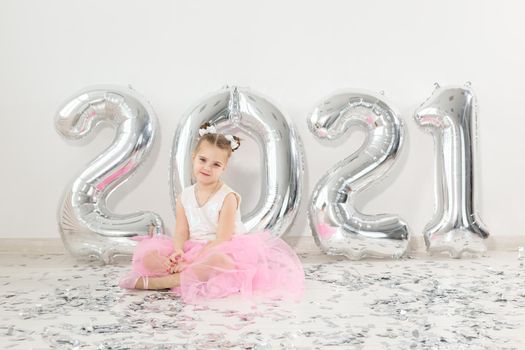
(88,229)
(233,110)
(338,227)
(450,114)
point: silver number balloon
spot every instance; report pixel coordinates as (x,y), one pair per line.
(234,109)
(337,226)
(88,229)
(450,114)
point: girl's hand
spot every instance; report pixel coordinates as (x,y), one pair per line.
(176,255)
(178,267)
(175,259)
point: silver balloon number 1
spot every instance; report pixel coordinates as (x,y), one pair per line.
(338,227)
(450,114)
(88,229)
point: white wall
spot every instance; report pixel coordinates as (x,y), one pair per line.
(295,52)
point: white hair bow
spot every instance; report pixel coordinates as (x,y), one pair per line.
(233,143)
(208,130)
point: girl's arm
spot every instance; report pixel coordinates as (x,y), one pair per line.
(226,225)
(179,238)
(181,226)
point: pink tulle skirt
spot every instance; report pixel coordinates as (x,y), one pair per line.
(248,264)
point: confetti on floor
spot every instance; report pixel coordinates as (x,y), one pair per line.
(55,302)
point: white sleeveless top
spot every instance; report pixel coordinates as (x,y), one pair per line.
(203,221)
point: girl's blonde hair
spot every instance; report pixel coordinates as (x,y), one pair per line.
(218,140)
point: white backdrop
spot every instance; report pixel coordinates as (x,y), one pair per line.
(295,53)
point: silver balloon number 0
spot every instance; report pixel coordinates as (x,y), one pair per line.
(338,227)
(88,229)
(233,110)
(450,114)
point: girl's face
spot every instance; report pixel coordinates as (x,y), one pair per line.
(209,162)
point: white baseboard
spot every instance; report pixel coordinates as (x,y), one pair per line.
(31,246)
(301,244)
(306,243)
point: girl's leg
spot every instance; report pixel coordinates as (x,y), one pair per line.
(164,282)
(155,262)
(211,266)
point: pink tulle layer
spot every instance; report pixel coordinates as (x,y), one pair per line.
(250,264)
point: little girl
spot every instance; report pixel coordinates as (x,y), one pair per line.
(211,255)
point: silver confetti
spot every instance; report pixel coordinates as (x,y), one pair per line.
(416,303)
